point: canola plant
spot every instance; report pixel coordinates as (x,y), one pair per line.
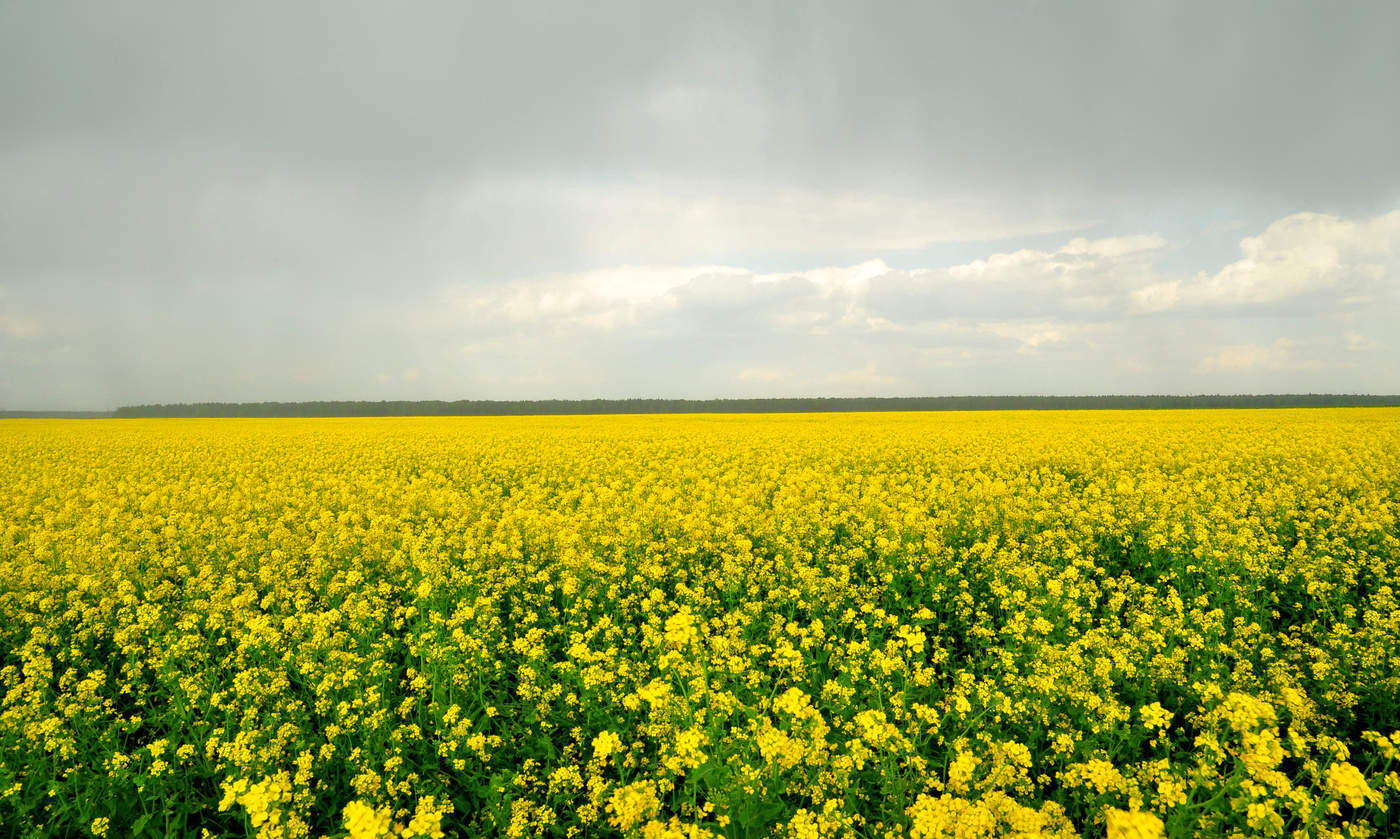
(1131,624)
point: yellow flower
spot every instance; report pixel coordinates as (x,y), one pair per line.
(365,822)
(680,629)
(674,829)
(1264,818)
(264,801)
(606,744)
(427,819)
(632,804)
(687,753)
(1123,824)
(1347,781)
(1155,716)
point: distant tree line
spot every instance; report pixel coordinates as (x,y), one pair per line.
(54,414)
(523,407)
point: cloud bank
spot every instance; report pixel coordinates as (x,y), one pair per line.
(1309,304)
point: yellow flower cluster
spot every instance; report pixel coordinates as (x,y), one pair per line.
(633,804)
(363,821)
(1123,824)
(994,815)
(606,744)
(1347,782)
(1132,624)
(265,802)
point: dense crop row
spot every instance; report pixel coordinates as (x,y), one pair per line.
(907,625)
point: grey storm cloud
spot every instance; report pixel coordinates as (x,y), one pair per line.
(1095,96)
(447,200)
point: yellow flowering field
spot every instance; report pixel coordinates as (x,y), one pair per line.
(1130,624)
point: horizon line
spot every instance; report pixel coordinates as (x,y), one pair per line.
(759,404)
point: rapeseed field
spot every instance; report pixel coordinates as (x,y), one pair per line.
(1132,624)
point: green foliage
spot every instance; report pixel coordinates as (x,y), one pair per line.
(522,407)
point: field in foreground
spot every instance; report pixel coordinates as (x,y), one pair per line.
(923,625)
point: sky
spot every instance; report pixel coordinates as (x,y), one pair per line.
(285,201)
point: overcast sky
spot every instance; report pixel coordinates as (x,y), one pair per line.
(283,201)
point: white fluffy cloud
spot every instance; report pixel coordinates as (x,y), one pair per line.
(1274,356)
(1010,295)
(1101,306)
(1303,253)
